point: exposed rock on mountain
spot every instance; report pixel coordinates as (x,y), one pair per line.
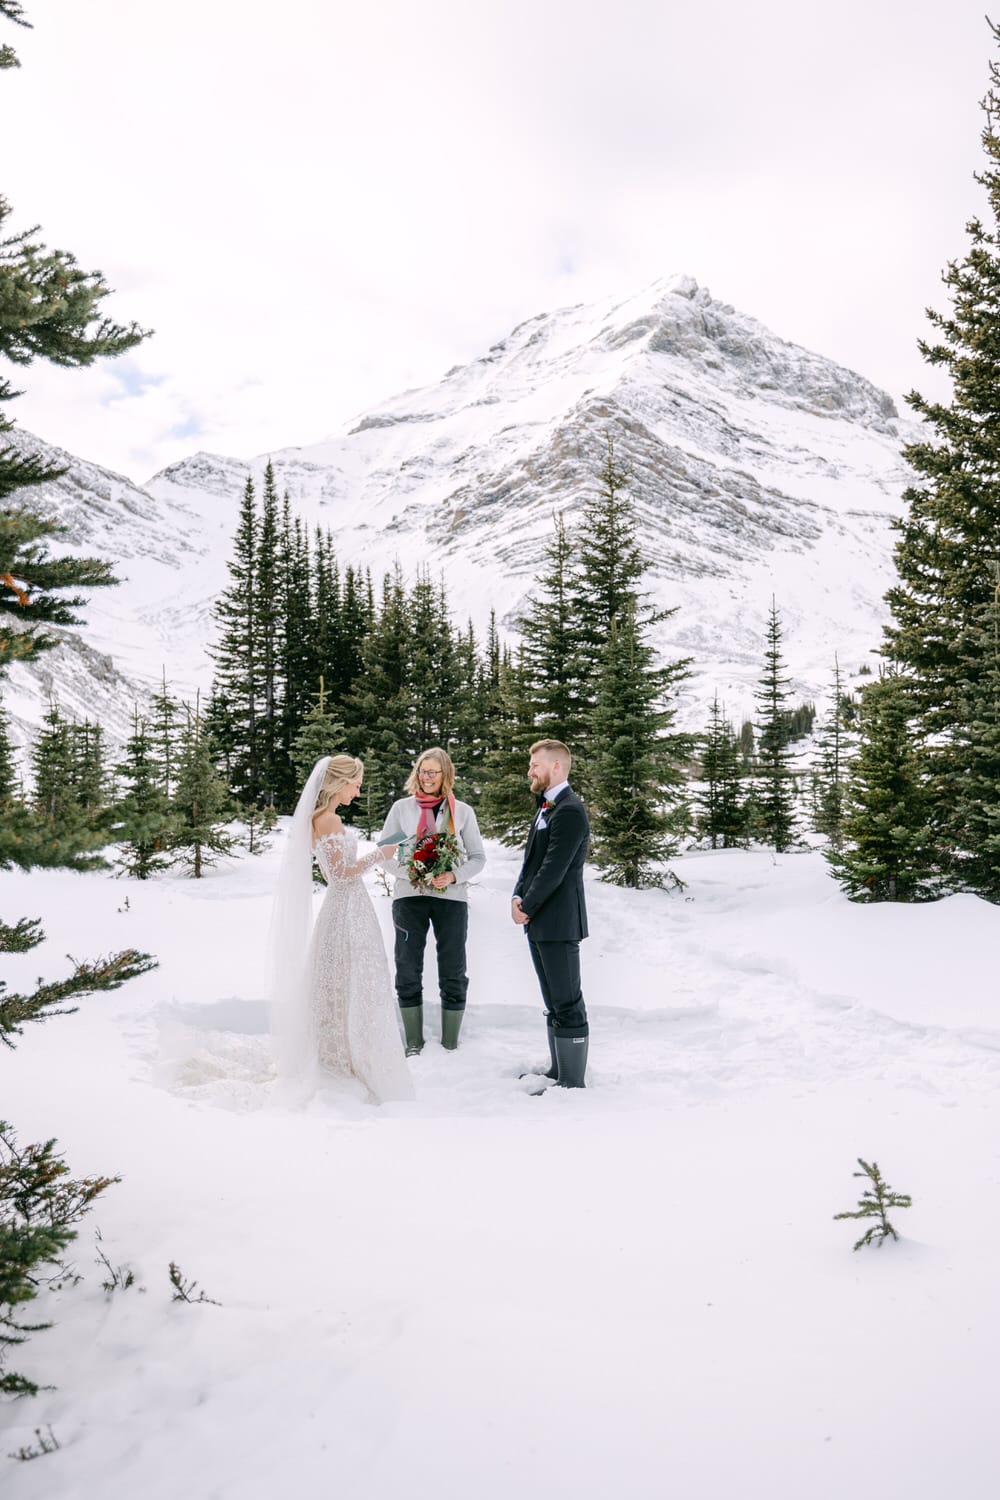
(759,468)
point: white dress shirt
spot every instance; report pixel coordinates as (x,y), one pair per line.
(550,796)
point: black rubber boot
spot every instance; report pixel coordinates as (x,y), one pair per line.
(451,1025)
(413,1026)
(571,1058)
(553,1068)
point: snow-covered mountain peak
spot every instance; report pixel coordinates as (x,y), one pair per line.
(671,330)
(758,467)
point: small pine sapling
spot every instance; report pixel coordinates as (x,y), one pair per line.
(47,1443)
(119,1278)
(184,1291)
(876,1198)
(39,1205)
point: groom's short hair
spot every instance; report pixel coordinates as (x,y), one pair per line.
(556,750)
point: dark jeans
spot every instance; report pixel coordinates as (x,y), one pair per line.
(558,968)
(411,918)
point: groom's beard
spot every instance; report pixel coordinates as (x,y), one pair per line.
(540,784)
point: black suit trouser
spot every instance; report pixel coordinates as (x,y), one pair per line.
(411,917)
(558,968)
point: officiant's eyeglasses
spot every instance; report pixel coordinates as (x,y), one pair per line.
(432,774)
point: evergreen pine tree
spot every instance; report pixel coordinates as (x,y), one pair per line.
(746,746)
(143,811)
(377,796)
(380,710)
(50,310)
(89,769)
(638,811)
(325,611)
(604,589)
(506,807)
(488,699)
(609,565)
(775,799)
(877,1197)
(479,710)
(709,803)
(11,10)
(49,999)
(321,733)
(300,668)
(202,805)
(355,619)
(52,766)
(20,835)
(259,824)
(949,538)
(830,771)
(975,815)
(161,735)
(60,831)
(722,814)
(234,712)
(603,586)
(431,685)
(888,851)
(9,779)
(270,630)
(470,714)
(39,1205)
(559,684)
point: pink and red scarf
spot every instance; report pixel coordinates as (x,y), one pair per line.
(426,823)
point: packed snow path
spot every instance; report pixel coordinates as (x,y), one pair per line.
(637,1290)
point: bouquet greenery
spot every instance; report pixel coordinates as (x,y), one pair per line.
(432,855)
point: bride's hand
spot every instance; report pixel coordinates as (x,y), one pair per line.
(389,851)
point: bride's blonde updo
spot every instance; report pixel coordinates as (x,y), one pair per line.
(342,771)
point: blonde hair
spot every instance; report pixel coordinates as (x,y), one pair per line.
(342,770)
(412,783)
(555,750)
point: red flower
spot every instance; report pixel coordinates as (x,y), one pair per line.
(434,854)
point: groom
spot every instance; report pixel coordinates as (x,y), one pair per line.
(548,900)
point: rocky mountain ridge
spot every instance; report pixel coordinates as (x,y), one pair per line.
(759,469)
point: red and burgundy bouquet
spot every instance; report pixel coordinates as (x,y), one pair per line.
(432,854)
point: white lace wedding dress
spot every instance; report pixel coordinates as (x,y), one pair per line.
(354,1016)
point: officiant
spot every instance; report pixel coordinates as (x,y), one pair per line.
(430,809)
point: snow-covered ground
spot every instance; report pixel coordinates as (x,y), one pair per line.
(633,1291)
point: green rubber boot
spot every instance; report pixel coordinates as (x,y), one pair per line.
(571,1055)
(451,1025)
(413,1026)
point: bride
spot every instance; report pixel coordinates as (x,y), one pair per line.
(334,1010)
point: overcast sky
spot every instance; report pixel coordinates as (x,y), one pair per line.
(318,205)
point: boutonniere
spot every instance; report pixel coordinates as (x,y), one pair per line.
(547,806)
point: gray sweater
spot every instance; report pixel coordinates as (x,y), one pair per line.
(404,815)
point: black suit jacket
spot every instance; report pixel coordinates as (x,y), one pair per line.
(550,884)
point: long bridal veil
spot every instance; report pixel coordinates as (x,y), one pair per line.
(291,923)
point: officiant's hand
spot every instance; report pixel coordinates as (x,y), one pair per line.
(448,877)
(388,851)
(520,917)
